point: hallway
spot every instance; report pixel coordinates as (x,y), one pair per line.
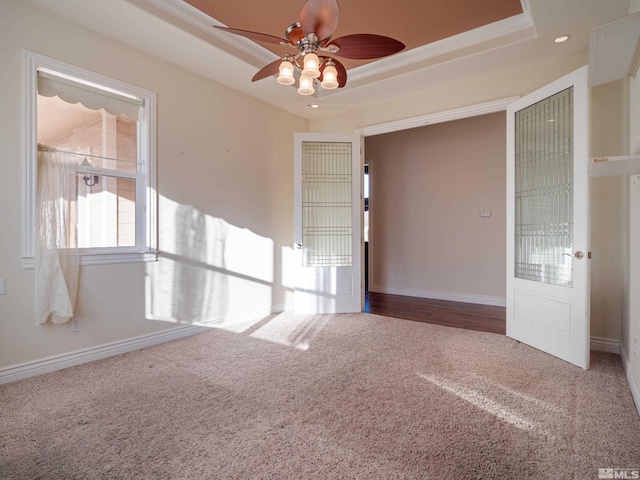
(482,318)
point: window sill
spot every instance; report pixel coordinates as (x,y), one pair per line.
(104,258)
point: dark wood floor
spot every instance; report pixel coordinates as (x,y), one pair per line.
(483,318)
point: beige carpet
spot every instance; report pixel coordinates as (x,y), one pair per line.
(322,397)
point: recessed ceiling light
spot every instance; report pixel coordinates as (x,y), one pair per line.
(314,105)
(562,39)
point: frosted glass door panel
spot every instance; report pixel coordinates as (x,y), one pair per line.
(327,204)
(544,190)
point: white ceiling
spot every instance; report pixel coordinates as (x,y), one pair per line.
(181,34)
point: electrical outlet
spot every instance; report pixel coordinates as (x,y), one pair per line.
(75,325)
(485,213)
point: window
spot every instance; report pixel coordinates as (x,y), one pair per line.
(108,127)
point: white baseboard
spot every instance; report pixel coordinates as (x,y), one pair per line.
(58,362)
(599,344)
(634,384)
(452,297)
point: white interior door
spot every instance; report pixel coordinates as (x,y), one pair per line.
(328,224)
(548,219)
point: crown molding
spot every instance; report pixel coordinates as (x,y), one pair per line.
(516,28)
(203,22)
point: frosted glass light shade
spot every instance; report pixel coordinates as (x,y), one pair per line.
(306,86)
(330,77)
(311,66)
(285,75)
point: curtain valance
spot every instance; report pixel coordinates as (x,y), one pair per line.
(91,97)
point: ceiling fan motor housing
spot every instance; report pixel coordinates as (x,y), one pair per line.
(308,44)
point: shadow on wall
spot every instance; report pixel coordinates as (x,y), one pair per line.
(191,278)
(210,272)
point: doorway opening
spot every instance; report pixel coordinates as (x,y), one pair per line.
(365,223)
(428,202)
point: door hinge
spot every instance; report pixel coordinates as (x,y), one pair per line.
(589,255)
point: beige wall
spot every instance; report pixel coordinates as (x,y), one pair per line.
(428,186)
(607,213)
(224,165)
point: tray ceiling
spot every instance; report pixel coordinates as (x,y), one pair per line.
(413,22)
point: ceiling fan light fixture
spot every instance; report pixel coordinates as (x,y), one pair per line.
(329,76)
(311,66)
(312,35)
(306,86)
(285,73)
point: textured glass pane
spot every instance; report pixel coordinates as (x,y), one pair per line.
(544,190)
(326,204)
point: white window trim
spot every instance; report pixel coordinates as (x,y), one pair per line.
(143,252)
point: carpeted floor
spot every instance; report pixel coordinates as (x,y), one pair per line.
(323,397)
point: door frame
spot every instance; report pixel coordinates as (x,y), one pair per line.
(444,116)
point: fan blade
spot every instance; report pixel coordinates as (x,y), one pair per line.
(365,46)
(295,33)
(267,71)
(342,72)
(320,17)
(258,37)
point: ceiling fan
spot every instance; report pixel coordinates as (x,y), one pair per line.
(312,35)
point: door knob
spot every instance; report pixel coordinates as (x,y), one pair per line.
(298,245)
(578,255)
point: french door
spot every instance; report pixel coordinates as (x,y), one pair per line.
(548,219)
(328,223)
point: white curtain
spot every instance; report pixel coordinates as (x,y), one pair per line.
(56,260)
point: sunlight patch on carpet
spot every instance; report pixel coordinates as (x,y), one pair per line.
(535,401)
(482,402)
(296,331)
